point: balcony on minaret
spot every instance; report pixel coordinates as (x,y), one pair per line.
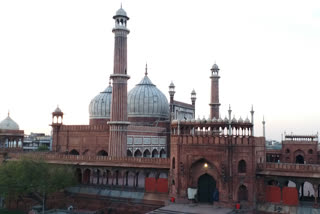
(121,19)
(215,70)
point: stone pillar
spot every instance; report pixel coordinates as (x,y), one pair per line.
(316,192)
(119,114)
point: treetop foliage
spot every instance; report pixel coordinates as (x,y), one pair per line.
(34,176)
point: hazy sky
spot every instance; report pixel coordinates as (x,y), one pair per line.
(61,52)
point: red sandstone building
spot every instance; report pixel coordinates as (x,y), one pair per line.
(137,141)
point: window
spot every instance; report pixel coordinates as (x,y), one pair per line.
(242,167)
(173,163)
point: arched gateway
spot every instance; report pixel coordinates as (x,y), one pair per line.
(206,187)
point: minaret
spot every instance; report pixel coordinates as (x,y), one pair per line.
(229,127)
(214,101)
(264,127)
(119,113)
(193,97)
(171,93)
(252,121)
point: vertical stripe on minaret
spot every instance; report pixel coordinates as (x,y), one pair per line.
(214,99)
(119,115)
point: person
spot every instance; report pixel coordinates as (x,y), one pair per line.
(215,195)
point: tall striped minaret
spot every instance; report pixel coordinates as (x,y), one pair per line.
(214,96)
(119,114)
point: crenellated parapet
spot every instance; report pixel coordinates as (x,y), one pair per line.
(212,127)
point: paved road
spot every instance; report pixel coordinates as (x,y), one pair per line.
(191,209)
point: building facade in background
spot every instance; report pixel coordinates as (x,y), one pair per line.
(36,141)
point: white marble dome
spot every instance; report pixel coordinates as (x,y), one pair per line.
(100,105)
(9,124)
(146,100)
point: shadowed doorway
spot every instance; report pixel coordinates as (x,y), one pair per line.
(299,159)
(206,187)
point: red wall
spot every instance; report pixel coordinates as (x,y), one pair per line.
(290,196)
(273,194)
(153,185)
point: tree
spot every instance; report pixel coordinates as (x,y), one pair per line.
(42,148)
(34,177)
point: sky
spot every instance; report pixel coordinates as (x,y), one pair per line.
(61,53)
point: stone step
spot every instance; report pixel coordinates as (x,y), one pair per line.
(164,211)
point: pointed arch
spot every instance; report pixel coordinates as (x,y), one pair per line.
(73,152)
(163,153)
(155,153)
(242,193)
(102,153)
(146,153)
(129,153)
(137,153)
(242,166)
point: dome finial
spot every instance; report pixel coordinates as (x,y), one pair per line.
(146,73)
(8,112)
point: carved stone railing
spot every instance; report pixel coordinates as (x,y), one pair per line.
(289,167)
(163,163)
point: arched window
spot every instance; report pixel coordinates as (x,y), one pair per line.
(129,153)
(163,153)
(243,193)
(310,151)
(173,163)
(287,150)
(102,153)
(242,168)
(146,154)
(155,153)
(73,152)
(137,153)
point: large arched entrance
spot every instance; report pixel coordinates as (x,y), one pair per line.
(299,159)
(206,187)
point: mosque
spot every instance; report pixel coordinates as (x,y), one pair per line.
(143,141)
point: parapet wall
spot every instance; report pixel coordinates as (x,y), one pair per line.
(163,163)
(218,140)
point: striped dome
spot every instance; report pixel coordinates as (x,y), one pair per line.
(100,105)
(146,100)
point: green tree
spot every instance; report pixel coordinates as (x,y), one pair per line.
(42,148)
(34,177)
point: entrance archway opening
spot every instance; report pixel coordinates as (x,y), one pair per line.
(206,187)
(79,175)
(86,176)
(243,193)
(299,159)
